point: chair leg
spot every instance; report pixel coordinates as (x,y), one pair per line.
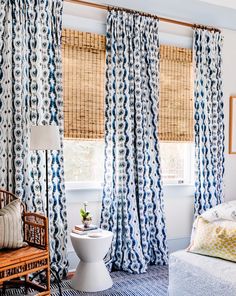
(3,289)
(26,286)
(48,279)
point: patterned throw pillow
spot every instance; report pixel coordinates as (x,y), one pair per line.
(226,210)
(217,239)
(11,226)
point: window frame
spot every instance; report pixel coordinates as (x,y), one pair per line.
(188,179)
(188,175)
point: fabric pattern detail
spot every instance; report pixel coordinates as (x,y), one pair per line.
(209,120)
(11,233)
(132,206)
(31,94)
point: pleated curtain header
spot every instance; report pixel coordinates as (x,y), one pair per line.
(84,88)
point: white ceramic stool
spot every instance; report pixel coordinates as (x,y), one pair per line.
(91,274)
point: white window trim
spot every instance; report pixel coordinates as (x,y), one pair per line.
(77,186)
(71,186)
(187,181)
(79,193)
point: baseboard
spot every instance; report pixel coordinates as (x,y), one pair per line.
(176,244)
(173,245)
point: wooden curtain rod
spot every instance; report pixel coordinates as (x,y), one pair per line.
(163,19)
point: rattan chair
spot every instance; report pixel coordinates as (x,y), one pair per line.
(16,265)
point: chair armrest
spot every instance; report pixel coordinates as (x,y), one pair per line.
(36,230)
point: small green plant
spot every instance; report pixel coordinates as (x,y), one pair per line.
(85,215)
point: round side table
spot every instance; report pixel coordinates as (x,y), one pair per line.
(91,274)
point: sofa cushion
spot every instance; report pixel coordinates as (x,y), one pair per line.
(196,275)
(226,211)
(216,239)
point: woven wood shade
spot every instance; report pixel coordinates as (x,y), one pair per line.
(83,79)
(83,83)
(176,94)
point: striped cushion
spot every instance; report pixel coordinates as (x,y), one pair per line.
(11,226)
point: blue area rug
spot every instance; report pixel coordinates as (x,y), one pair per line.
(154,283)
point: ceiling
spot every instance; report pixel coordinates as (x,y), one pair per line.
(218,13)
(224,3)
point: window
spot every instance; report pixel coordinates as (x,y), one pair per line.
(177,162)
(84,162)
(83,80)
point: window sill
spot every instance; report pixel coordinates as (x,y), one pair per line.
(93,191)
(178,185)
(76,186)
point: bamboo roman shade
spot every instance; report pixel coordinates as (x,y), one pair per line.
(84,83)
(176,94)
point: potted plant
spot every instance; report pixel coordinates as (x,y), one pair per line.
(86,216)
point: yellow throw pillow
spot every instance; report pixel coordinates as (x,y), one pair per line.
(215,239)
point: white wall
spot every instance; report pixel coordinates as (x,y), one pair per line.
(229,83)
(178,199)
(178,210)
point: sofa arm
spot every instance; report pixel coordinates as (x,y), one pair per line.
(36,230)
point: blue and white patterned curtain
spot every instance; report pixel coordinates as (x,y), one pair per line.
(31,94)
(209,119)
(132,206)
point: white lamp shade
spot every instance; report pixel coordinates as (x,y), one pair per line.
(44,137)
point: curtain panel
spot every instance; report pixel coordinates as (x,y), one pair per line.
(209,119)
(132,206)
(31,94)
